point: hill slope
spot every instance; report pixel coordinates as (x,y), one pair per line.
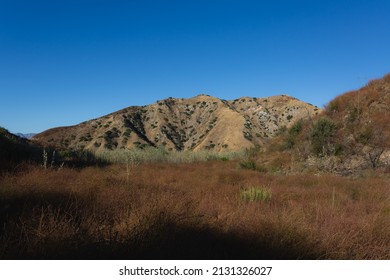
(362,121)
(201,122)
(14,149)
(352,133)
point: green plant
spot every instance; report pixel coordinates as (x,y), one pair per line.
(224,158)
(210,146)
(254,194)
(321,137)
(293,132)
(248,136)
(354,114)
(127,133)
(248,164)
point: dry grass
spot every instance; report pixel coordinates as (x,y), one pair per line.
(190,211)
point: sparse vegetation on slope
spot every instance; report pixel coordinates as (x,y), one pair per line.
(199,123)
(352,133)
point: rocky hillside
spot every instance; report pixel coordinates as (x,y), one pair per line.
(201,122)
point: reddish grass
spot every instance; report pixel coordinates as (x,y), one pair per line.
(190,211)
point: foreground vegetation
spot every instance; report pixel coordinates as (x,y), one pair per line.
(203,210)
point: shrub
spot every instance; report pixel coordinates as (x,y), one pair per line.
(248,136)
(321,136)
(224,158)
(293,132)
(248,164)
(210,146)
(127,133)
(254,194)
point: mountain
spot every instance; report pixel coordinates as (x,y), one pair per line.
(26,135)
(198,123)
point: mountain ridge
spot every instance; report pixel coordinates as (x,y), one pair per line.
(26,135)
(196,123)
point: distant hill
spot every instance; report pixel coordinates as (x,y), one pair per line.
(26,135)
(198,123)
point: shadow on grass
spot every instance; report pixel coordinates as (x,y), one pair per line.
(81,159)
(173,241)
(184,242)
(72,231)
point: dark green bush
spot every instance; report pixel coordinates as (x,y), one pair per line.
(293,132)
(248,164)
(321,136)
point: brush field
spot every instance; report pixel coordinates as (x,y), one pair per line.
(198,210)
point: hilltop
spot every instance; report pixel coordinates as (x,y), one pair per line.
(198,123)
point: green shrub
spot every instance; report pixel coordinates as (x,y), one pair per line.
(248,164)
(321,136)
(248,136)
(127,133)
(255,194)
(293,132)
(224,158)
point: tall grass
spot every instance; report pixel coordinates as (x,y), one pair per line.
(156,155)
(190,211)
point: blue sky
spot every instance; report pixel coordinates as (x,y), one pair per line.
(64,62)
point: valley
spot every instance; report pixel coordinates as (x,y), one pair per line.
(205,178)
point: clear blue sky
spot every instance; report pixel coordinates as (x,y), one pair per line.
(64,61)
